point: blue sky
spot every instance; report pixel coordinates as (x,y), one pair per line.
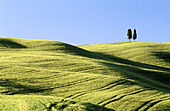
(85,21)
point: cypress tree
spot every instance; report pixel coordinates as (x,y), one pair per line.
(134,34)
(129,34)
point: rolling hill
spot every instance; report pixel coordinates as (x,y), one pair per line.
(51,75)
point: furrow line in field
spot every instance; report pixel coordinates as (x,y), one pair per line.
(79,95)
(112,100)
(135,92)
(154,103)
(147,102)
(98,89)
(84,92)
(75,82)
(113,85)
(106,99)
(74,94)
(143,104)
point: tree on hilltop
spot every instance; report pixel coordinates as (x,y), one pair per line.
(134,34)
(129,34)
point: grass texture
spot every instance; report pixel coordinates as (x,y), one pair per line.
(50,75)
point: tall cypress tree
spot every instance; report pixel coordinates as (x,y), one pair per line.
(129,34)
(134,34)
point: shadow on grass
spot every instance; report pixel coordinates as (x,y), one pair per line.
(140,72)
(11,44)
(152,79)
(150,75)
(16,88)
(163,55)
(70,105)
(96,55)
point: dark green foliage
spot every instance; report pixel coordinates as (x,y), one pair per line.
(134,34)
(129,34)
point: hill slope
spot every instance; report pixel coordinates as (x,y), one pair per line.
(119,76)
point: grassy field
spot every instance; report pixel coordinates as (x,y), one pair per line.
(50,75)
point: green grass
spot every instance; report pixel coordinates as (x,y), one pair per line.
(119,76)
(45,103)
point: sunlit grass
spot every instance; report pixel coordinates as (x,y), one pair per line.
(120,76)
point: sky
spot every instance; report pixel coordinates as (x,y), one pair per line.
(85,21)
